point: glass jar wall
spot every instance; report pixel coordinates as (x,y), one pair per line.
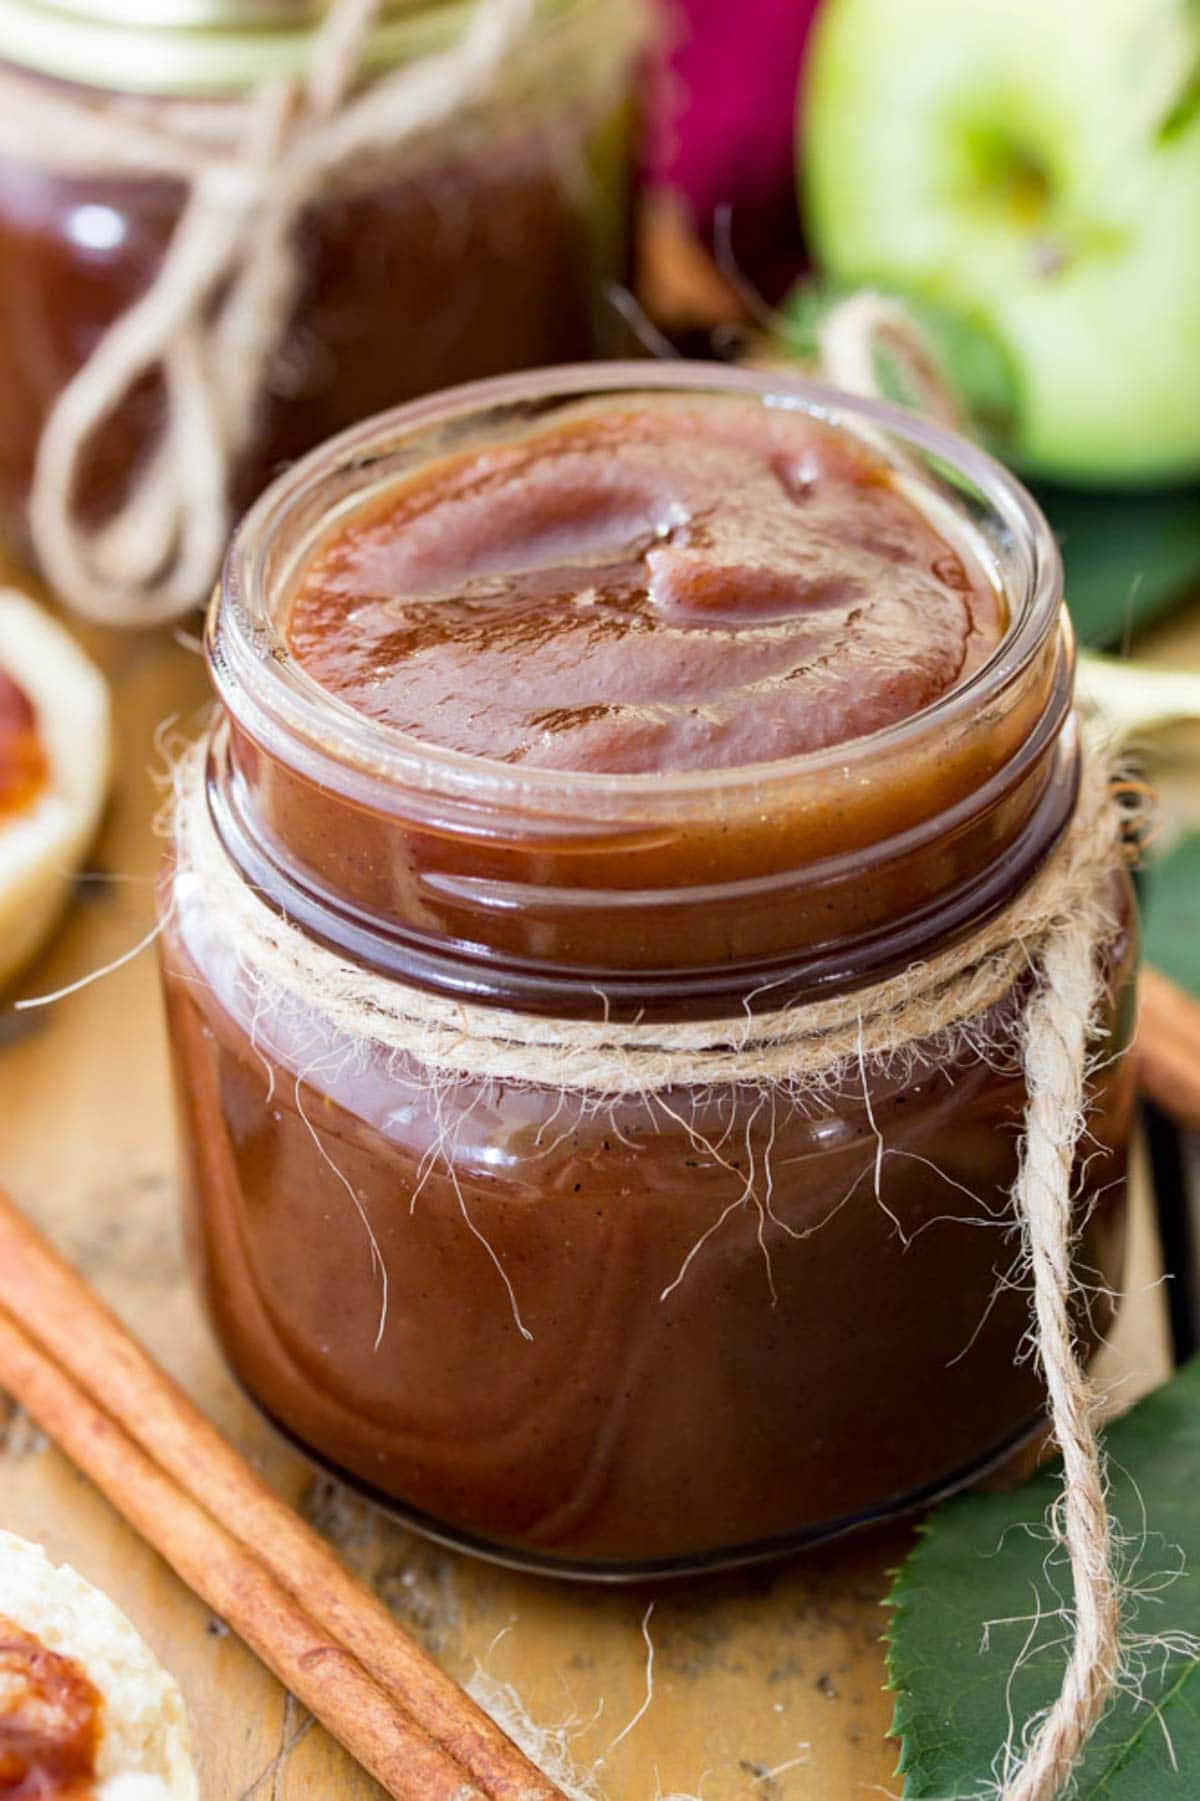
(610,1334)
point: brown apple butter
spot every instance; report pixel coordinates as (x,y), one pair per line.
(645,590)
(23,766)
(50,1716)
(633,695)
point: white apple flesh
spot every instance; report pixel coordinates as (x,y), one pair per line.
(1033,165)
(43,844)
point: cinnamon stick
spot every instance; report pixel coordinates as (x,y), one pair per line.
(319,1672)
(162,1464)
(1168,1047)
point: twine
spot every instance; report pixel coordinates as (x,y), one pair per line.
(215,313)
(856,329)
(1057,1023)
(797,1045)
(1056,1031)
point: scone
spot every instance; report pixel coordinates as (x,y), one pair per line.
(87,1713)
(54,766)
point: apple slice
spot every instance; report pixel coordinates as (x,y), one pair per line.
(55,749)
(1035,167)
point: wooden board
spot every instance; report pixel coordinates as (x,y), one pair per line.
(766,1685)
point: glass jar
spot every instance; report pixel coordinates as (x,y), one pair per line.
(668,1330)
(466,252)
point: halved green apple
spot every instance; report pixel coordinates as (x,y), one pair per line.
(1034,167)
(60,700)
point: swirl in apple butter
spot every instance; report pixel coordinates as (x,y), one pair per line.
(645,588)
(23,767)
(49,1721)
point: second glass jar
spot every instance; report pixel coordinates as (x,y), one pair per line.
(484,246)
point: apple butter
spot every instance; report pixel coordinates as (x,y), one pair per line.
(647,695)
(50,1716)
(591,600)
(23,766)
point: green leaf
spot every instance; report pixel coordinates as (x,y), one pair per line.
(1129,558)
(979,1597)
(1171,914)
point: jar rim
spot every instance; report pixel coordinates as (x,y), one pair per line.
(277,702)
(192,49)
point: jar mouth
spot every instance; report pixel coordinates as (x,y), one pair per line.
(278,703)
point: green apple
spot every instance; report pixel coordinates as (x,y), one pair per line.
(1034,167)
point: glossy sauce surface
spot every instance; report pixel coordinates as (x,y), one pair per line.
(23,765)
(648,587)
(49,1721)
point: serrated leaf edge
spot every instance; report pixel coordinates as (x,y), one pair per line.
(898,1602)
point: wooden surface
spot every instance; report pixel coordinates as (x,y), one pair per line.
(766,1685)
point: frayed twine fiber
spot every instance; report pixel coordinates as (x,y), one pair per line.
(797,1046)
(214,316)
(1055,931)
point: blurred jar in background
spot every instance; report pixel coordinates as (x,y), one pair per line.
(478,246)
